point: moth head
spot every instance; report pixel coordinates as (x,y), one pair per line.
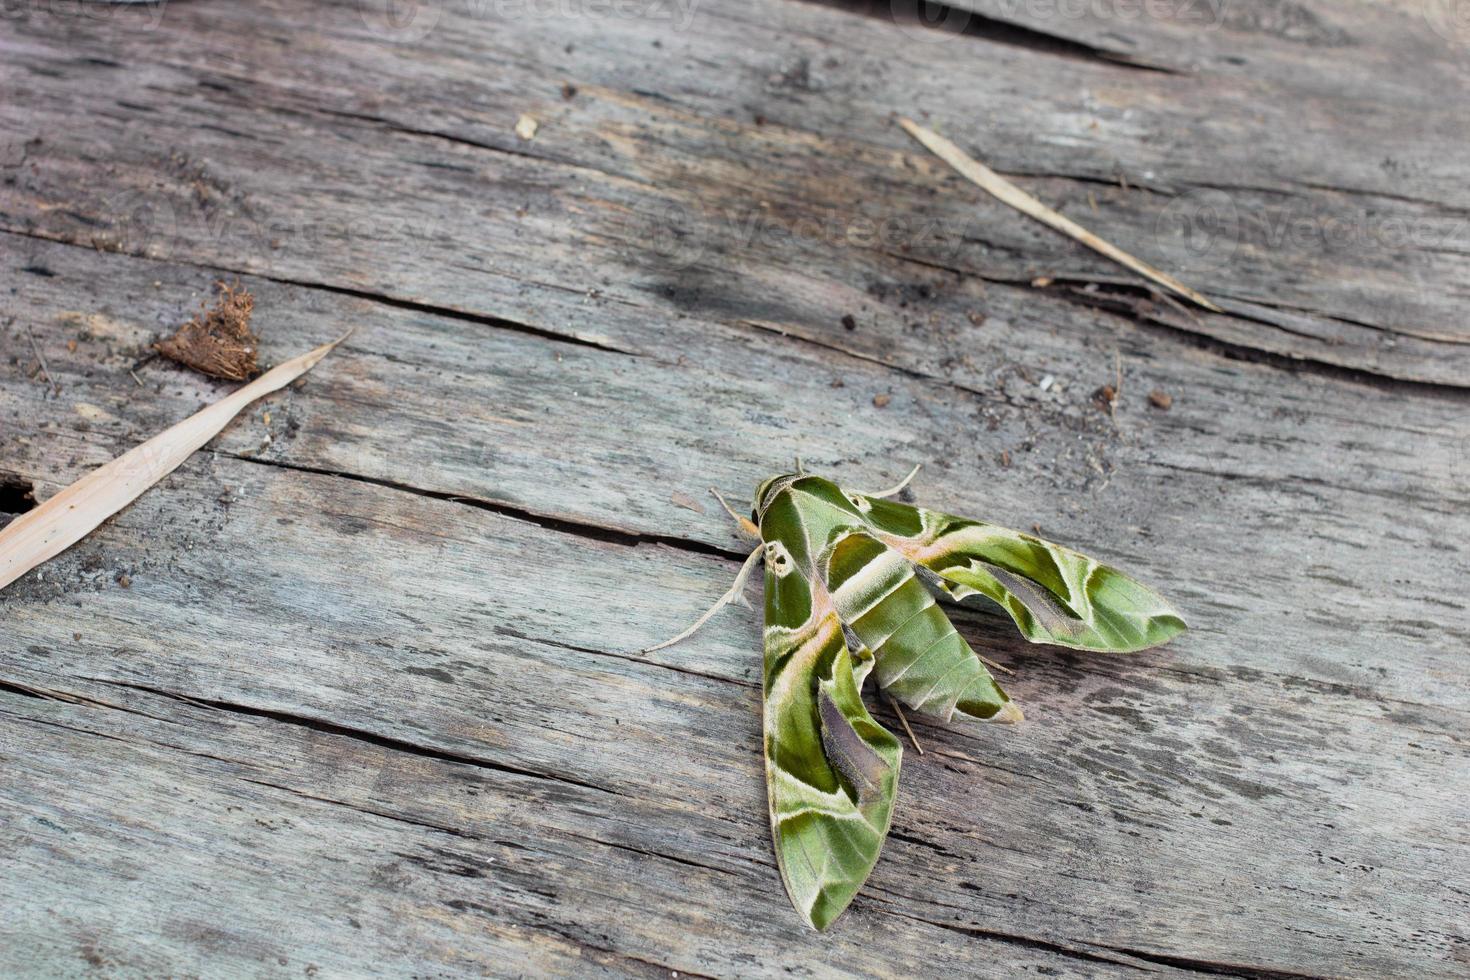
(767,491)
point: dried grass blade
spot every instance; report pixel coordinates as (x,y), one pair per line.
(72,514)
(1008,193)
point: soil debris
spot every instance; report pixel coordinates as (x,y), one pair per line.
(218,341)
(1160,399)
(881,400)
(526,127)
(849,321)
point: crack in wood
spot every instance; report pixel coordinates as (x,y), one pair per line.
(629,657)
(1215,968)
(656,854)
(362,735)
(1131,307)
(449,312)
(559,523)
(1012,939)
(935,16)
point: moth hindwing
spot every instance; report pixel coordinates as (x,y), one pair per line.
(843,598)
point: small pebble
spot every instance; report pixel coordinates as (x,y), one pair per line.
(881,400)
(1160,399)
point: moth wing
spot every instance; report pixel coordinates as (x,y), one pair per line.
(917,656)
(1054,594)
(831,770)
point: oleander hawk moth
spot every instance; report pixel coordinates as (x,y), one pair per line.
(849,592)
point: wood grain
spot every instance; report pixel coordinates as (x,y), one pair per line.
(353,690)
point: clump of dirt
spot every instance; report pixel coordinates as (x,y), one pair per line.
(218,341)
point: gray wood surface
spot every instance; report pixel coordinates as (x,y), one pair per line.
(352,692)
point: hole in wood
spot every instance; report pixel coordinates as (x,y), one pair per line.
(16,497)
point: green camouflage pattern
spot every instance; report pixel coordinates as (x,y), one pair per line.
(845,597)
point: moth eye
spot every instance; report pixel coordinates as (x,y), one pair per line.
(777,558)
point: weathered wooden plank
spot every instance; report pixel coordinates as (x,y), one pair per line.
(1118,818)
(1235,802)
(542,427)
(335,605)
(1348,49)
(1311,266)
(151,835)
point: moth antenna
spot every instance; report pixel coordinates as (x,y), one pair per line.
(1000,667)
(800,470)
(721,603)
(893,703)
(894,491)
(746,524)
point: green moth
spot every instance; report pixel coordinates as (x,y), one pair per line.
(849,592)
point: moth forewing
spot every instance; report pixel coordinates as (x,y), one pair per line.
(831,770)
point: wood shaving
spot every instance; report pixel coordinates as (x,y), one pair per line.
(1008,193)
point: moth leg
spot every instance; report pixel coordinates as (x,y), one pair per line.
(1000,667)
(894,491)
(746,524)
(898,710)
(724,600)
